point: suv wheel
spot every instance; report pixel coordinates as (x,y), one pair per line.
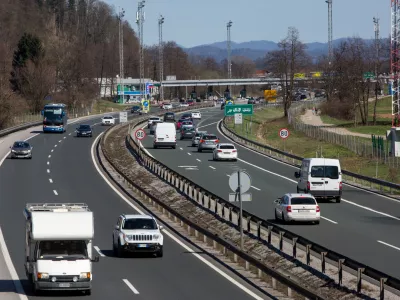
(120,251)
(160,252)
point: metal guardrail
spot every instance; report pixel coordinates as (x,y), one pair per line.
(13,129)
(257,227)
(247,142)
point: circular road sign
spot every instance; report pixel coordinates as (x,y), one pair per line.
(245,181)
(145,103)
(140,134)
(229,103)
(284,133)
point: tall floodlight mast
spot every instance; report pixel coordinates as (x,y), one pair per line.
(330,32)
(140,20)
(161,55)
(395,70)
(228,44)
(121,15)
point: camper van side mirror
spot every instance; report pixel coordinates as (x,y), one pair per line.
(297,174)
(116,227)
(96,259)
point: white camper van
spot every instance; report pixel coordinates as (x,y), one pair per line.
(320,177)
(165,135)
(58,246)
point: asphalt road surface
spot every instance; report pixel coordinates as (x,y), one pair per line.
(62,171)
(364,226)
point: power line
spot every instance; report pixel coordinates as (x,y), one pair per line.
(228,44)
(140,20)
(161,55)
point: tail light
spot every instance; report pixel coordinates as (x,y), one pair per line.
(234,151)
(317,209)
(289,208)
(340,185)
(217,141)
(201,141)
(219,150)
(308,186)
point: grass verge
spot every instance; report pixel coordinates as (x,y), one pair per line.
(102,106)
(265,128)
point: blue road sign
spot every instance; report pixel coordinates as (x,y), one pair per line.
(145,103)
(229,103)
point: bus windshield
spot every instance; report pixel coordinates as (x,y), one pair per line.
(53,113)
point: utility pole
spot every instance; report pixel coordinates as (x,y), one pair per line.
(161,55)
(330,32)
(121,15)
(140,20)
(228,44)
(395,68)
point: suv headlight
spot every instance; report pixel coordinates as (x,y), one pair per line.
(43,275)
(84,275)
(127,237)
(156,236)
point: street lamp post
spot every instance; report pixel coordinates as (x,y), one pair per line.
(161,55)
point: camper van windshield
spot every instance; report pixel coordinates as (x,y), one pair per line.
(331,172)
(62,250)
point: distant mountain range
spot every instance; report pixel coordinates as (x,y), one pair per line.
(254,49)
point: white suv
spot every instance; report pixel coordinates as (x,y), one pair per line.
(196,115)
(137,233)
(108,120)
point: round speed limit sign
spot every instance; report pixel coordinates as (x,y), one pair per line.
(284,133)
(140,134)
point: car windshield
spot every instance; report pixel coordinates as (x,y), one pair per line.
(210,137)
(153,119)
(187,123)
(21,145)
(62,250)
(53,113)
(196,113)
(84,127)
(325,171)
(186,116)
(107,118)
(226,147)
(135,107)
(132,224)
(303,201)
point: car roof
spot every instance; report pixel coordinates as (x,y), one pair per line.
(20,142)
(84,125)
(294,195)
(138,217)
(226,144)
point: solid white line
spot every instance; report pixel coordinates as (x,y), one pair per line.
(49,156)
(391,246)
(198,160)
(51,180)
(212,167)
(48,162)
(189,153)
(52,150)
(208,124)
(255,188)
(187,166)
(166,232)
(7,258)
(55,192)
(48,171)
(99,251)
(180,148)
(135,291)
(329,220)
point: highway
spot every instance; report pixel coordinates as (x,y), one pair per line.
(364,226)
(62,170)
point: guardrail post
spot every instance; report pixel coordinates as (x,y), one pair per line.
(382,288)
(289,292)
(274,283)
(294,243)
(270,233)
(340,271)
(281,233)
(248,224)
(259,230)
(308,254)
(216,206)
(323,254)
(359,279)
(230,214)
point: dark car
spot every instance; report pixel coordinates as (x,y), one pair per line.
(223,105)
(187,133)
(251,101)
(21,149)
(169,117)
(84,130)
(136,110)
(186,116)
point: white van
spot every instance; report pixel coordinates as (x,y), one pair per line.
(320,177)
(165,135)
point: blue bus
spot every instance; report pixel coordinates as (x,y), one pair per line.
(55,118)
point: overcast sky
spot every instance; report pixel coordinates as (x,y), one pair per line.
(191,23)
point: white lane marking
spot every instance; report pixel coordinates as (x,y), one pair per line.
(189,153)
(7,258)
(65,137)
(391,246)
(180,148)
(135,291)
(60,141)
(52,150)
(51,180)
(48,171)
(99,251)
(198,160)
(48,162)
(1,141)
(202,259)
(55,145)
(212,167)
(208,124)
(49,155)
(55,192)
(329,220)
(187,166)
(255,188)
(228,175)
(70,134)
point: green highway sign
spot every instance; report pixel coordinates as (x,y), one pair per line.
(369,75)
(244,109)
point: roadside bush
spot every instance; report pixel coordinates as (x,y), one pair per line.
(342,110)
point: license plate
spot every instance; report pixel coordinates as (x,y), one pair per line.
(209,142)
(304,210)
(226,152)
(160,139)
(142,245)
(64,285)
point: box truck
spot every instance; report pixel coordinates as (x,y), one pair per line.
(58,246)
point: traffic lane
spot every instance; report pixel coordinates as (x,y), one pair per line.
(352,234)
(86,186)
(358,197)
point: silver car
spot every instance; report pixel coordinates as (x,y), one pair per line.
(207,142)
(197,138)
(21,149)
(187,124)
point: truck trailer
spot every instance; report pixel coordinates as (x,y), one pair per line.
(58,246)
